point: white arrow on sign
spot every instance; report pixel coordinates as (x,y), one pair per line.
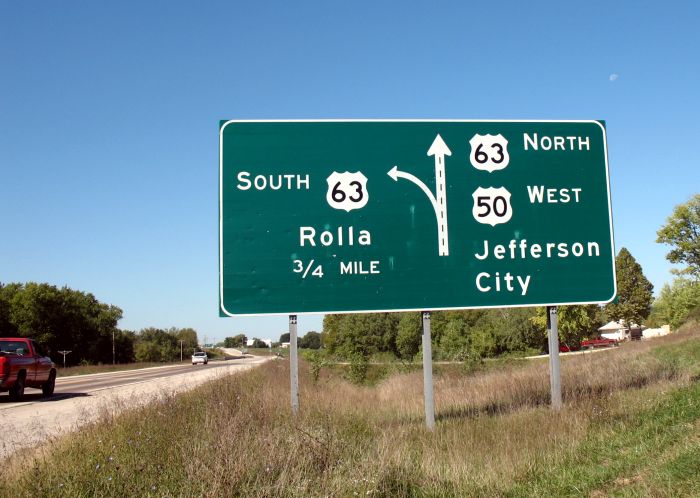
(438,149)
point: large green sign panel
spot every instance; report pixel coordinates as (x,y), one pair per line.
(343,216)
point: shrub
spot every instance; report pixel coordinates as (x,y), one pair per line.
(358,368)
(316,363)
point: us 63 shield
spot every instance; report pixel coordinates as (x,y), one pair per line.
(347,190)
(489,152)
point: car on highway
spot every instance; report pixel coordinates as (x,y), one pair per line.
(200,357)
(24,364)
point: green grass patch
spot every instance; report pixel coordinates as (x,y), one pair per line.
(621,453)
(683,357)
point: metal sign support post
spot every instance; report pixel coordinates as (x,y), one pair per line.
(428,373)
(64,353)
(293,363)
(554,371)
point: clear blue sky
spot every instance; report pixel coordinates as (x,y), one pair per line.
(109,117)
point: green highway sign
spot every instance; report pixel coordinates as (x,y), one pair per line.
(387,215)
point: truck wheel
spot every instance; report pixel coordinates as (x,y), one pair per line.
(17,391)
(47,389)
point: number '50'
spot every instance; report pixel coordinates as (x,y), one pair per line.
(497,204)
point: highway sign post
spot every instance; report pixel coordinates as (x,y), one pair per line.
(553,340)
(360,216)
(293,364)
(428,395)
(64,353)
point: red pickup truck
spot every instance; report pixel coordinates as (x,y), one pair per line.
(23,364)
(598,342)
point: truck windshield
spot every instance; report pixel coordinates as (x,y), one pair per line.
(13,347)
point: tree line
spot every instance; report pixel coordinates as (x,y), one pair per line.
(310,340)
(63,319)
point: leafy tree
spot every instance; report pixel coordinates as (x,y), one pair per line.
(440,319)
(63,319)
(634,291)
(675,303)
(359,365)
(682,231)
(316,363)
(514,330)
(153,344)
(124,346)
(364,333)
(331,332)
(7,326)
(482,343)
(148,352)
(454,343)
(257,343)
(236,341)
(285,337)
(311,340)
(486,333)
(574,323)
(36,311)
(187,335)
(408,336)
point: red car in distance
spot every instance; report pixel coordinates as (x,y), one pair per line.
(567,348)
(599,342)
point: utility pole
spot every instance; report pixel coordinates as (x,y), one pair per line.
(114,350)
(181,341)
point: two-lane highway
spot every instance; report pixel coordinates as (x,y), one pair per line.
(94,382)
(85,384)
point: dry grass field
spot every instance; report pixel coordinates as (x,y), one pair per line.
(630,426)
